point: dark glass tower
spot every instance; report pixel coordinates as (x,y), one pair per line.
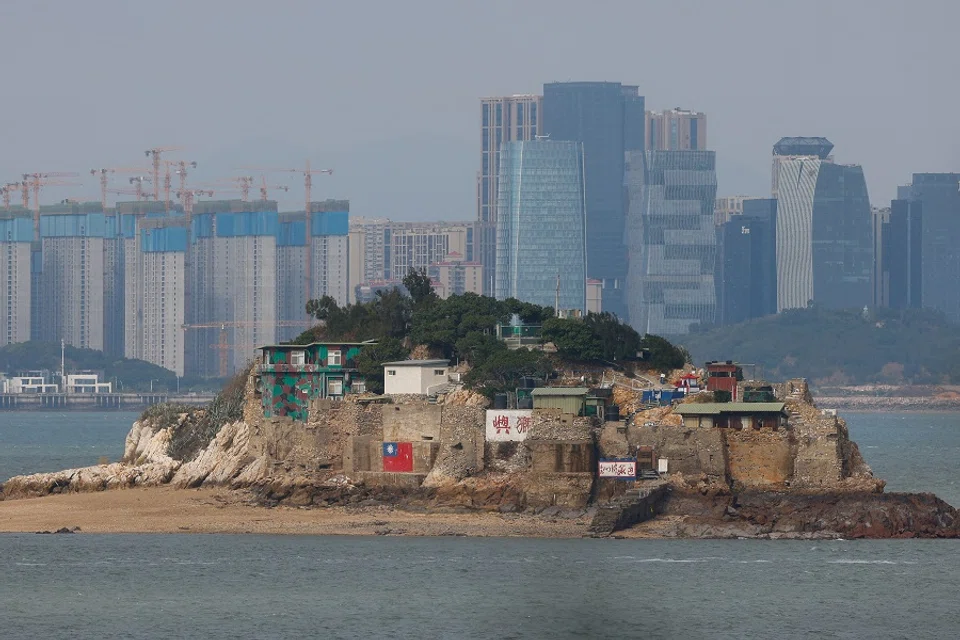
(899,256)
(747,263)
(939,198)
(608,118)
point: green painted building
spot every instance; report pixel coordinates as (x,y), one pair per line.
(289,376)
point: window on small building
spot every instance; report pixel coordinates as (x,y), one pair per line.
(335,387)
(297,358)
(391,372)
(333,358)
(439,372)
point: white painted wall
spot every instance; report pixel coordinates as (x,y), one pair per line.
(412,379)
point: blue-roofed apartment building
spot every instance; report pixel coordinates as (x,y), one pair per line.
(328,264)
(73,242)
(16,236)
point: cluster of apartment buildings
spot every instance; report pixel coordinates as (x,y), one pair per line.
(586,201)
(194,292)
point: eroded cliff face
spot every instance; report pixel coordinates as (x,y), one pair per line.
(806,479)
(812,452)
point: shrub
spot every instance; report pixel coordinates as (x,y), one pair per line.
(202,426)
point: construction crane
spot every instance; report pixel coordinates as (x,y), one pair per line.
(35,181)
(187,197)
(138,192)
(181,170)
(308,174)
(263,188)
(155,154)
(8,188)
(138,181)
(105,177)
(224,347)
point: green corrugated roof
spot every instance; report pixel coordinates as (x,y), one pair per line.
(560,391)
(716,408)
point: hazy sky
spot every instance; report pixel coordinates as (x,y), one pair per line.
(386,93)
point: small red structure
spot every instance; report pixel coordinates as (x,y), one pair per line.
(724,376)
(689,382)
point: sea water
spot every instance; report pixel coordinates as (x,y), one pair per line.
(220,586)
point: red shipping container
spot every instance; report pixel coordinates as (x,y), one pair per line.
(398,456)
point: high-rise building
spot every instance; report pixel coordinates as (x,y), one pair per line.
(72,240)
(16,235)
(329,228)
(824,228)
(747,263)
(541,236)
(384,251)
(234,283)
(608,118)
(671,239)
(939,197)
(132,216)
(676,130)
(898,252)
(502,119)
(155,275)
(455,276)
(728,206)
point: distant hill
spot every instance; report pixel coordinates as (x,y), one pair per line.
(839,347)
(133,375)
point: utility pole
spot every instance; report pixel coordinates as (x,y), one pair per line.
(63,369)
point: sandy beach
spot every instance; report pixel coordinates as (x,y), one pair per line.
(168,510)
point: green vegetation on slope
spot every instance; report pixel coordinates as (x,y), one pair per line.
(840,347)
(462,328)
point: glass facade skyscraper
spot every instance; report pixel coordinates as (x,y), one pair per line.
(608,118)
(747,263)
(502,119)
(824,229)
(939,197)
(541,236)
(671,240)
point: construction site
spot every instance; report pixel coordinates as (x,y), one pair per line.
(191,276)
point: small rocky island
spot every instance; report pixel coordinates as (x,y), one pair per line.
(773,466)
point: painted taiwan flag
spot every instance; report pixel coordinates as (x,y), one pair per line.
(398,456)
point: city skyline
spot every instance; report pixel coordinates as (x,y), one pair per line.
(389,165)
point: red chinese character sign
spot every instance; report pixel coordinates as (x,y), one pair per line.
(508,424)
(620,468)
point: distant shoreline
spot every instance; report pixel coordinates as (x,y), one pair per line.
(887,403)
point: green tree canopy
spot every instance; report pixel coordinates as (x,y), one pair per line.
(371,359)
(502,370)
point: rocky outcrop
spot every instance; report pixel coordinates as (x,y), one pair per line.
(802,479)
(806,515)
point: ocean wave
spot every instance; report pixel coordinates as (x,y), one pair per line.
(862,562)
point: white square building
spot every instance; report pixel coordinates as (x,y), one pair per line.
(414,376)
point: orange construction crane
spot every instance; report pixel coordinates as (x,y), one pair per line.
(34,181)
(224,347)
(10,187)
(105,177)
(263,188)
(155,154)
(308,174)
(130,192)
(138,181)
(181,170)
(187,197)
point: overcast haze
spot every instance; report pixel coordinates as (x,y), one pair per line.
(386,93)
